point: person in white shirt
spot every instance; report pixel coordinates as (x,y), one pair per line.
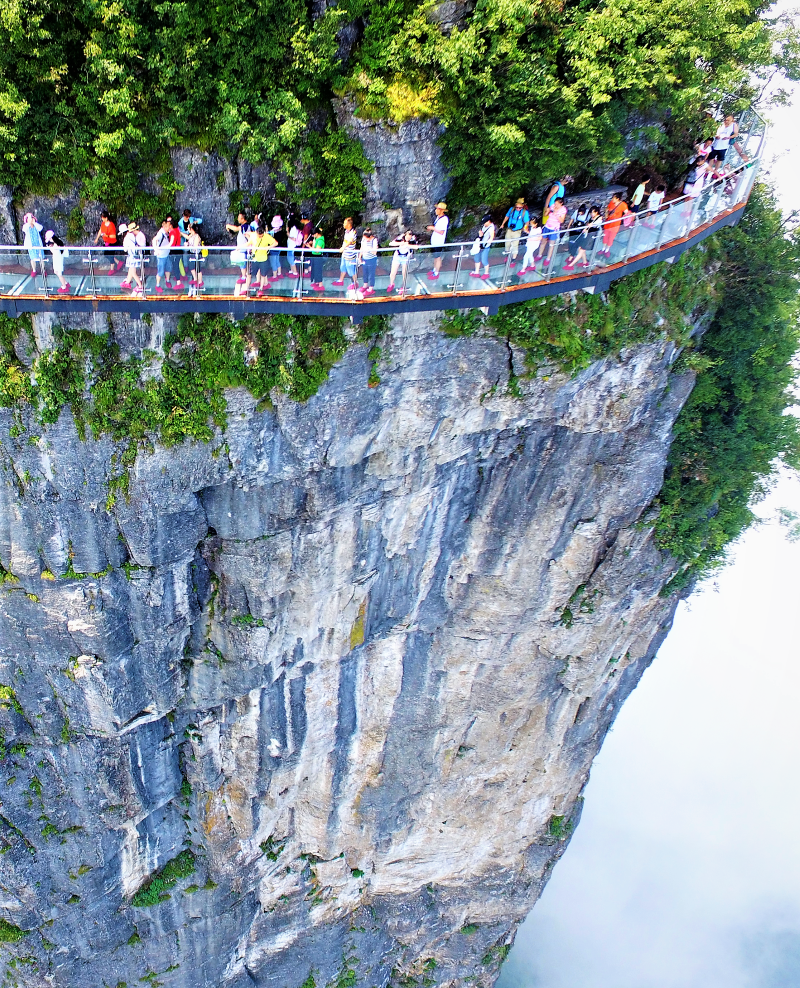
(438,232)
(531,245)
(727,131)
(58,249)
(132,244)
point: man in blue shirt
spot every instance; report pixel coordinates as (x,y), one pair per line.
(518,220)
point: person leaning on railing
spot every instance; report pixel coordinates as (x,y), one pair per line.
(584,245)
(404,246)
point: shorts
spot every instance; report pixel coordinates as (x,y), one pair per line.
(163,266)
(260,269)
(717,155)
(548,234)
(437,250)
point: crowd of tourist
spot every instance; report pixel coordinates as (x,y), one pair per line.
(289,245)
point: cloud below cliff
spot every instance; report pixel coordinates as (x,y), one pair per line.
(685,870)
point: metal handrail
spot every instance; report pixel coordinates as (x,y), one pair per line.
(649,232)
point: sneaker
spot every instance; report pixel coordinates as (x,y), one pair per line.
(568,267)
(432,276)
(369,290)
(584,264)
(159,289)
(137,291)
(291,274)
(484,277)
(521,272)
(124,284)
(120,265)
(178,286)
(338,282)
(389,289)
(317,286)
(513,264)
(64,290)
(474,274)
(259,294)
(241,281)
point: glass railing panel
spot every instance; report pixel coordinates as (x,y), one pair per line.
(15,270)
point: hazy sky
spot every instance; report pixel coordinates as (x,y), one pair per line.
(685,869)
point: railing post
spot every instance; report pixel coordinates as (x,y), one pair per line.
(143,272)
(91,274)
(299,289)
(505,271)
(458,268)
(44,275)
(405,271)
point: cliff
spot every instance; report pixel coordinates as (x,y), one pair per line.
(342,670)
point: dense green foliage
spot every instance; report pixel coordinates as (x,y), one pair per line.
(158,886)
(10,933)
(99,91)
(571,331)
(734,428)
(532,88)
(206,354)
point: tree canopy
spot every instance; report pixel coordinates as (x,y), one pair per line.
(99,90)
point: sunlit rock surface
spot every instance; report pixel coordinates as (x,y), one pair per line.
(357,655)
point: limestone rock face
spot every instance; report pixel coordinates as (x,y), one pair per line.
(409,177)
(356,656)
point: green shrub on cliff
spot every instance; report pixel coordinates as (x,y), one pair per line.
(526,88)
(734,428)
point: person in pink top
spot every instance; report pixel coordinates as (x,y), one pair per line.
(552,230)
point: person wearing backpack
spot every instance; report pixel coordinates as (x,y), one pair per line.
(518,220)
(59,251)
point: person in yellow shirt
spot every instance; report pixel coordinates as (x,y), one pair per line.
(262,242)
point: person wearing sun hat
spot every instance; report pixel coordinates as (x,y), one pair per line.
(132,245)
(518,219)
(438,232)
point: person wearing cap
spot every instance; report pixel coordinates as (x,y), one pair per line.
(32,240)
(438,232)
(56,245)
(132,244)
(518,219)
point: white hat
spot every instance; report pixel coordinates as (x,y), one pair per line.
(122,228)
(277,222)
(48,235)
